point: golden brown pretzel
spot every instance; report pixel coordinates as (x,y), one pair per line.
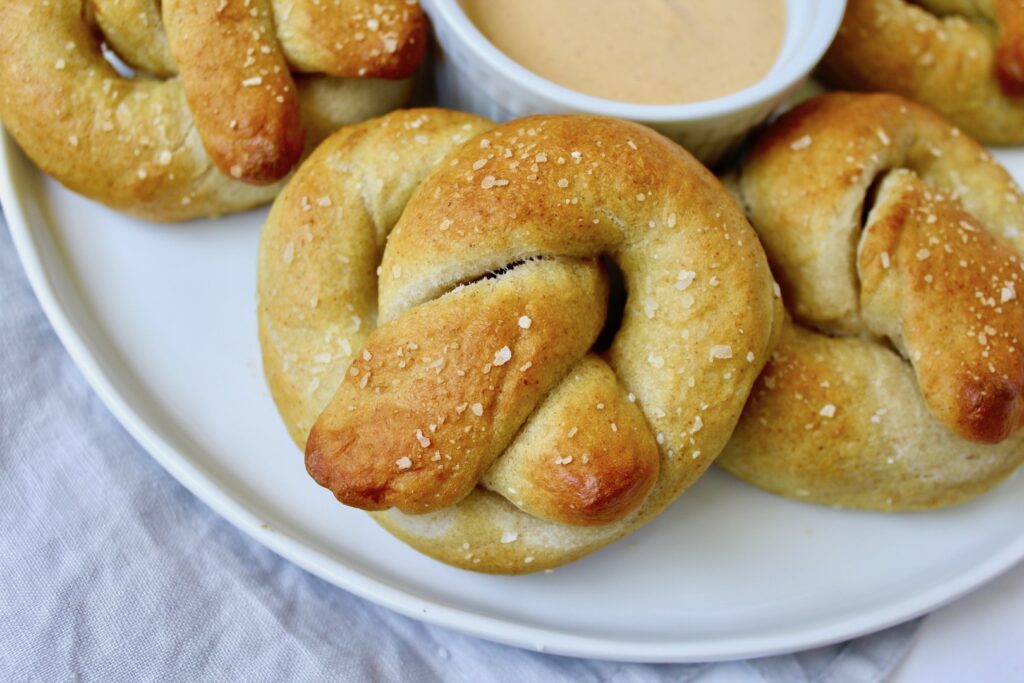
(170,147)
(963,58)
(470,411)
(900,382)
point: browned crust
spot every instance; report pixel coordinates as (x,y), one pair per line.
(132,143)
(242,96)
(497,221)
(134,30)
(1010,54)
(353,38)
(920,375)
(879,450)
(949,60)
(426,387)
(950,276)
(587,458)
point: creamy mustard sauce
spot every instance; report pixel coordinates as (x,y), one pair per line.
(638,51)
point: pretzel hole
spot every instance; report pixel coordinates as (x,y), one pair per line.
(617,297)
(498,272)
(867,207)
(871,198)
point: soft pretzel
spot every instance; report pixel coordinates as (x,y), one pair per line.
(215,116)
(963,58)
(897,242)
(470,412)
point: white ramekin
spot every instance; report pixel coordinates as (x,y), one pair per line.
(473,75)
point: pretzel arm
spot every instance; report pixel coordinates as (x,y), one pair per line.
(245,107)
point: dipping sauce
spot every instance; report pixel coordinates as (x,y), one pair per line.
(638,51)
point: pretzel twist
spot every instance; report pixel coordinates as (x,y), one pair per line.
(214,108)
(475,419)
(901,383)
(963,58)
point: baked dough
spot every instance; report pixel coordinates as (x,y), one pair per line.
(897,242)
(469,411)
(963,58)
(216,137)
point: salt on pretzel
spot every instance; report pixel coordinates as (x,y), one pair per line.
(963,58)
(469,411)
(215,108)
(899,383)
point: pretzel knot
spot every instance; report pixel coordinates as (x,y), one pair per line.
(478,417)
(963,58)
(214,116)
(900,239)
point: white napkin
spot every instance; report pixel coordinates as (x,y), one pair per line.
(110,570)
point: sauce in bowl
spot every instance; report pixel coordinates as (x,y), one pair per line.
(638,51)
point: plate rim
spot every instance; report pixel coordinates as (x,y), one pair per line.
(39,270)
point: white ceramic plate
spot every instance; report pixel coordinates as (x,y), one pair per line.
(161,320)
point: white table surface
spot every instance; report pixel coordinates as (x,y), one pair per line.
(977,639)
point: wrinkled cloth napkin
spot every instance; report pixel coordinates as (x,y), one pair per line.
(110,570)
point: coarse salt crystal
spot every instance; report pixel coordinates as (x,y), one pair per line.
(685,279)
(502,356)
(721,351)
(802,143)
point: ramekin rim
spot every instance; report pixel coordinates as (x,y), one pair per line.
(819,35)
